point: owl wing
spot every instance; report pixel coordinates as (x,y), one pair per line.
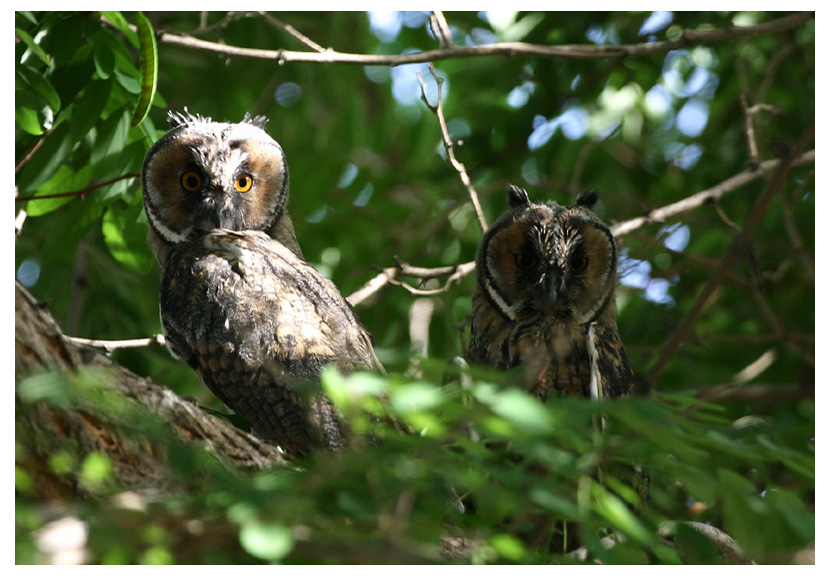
(611,373)
(258,324)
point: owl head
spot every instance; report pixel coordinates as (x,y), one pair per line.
(203,175)
(549,260)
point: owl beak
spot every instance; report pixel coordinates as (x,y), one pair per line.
(214,212)
(553,294)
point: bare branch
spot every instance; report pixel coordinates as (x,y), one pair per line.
(389,276)
(82,192)
(510,49)
(769,394)
(795,236)
(750,133)
(292,31)
(774,185)
(438,110)
(440,29)
(29,154)
(714,193)
(110,345)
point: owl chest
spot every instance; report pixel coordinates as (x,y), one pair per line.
(554,359)
(550,356)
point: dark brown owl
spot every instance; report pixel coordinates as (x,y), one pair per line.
(545,300)
(239,304)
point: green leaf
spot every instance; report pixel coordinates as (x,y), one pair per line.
(31,113)
(96,469)
(622,518)
(103,55)
(266,541)
(47,159)
(520,408)
(508,546)
(87,110)
(414,397)
(32,46)
(148,58)
(64,181)
(38,84)
(120,23)
(110,138)
(126,240)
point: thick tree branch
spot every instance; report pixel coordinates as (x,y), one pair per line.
(41,348)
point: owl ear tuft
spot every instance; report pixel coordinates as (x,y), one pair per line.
(258,121)
(516,196)
(176,119)
(587,198)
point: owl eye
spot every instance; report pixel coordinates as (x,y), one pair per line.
(578,263)
(243,182)
(525,261)
(191,181)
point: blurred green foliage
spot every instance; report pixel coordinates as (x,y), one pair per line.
(369,183)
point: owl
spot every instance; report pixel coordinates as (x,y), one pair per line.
(544,300)
(238,302)
(204,175)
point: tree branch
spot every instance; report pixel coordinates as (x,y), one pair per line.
(81,192)
(438,110)
(774,185)
(110,345)
(714,193)
(509,49)
(389,276)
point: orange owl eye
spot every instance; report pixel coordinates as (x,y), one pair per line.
(191,181)
(243,182)
(578,263)
(525,261)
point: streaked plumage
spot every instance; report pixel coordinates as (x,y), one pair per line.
(238,302)
(545,300)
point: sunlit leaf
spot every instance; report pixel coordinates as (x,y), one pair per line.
(266,541)
(148,53)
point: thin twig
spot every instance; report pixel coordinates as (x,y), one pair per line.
(389,276)
(82,192)
(438,110)
(774,394)
(795,236)
(510,49)
(440,29)
(292,31)
(750,133)
(110,345)
(29,154)
(773,320)
(204,28)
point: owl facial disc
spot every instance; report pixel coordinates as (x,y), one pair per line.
(204,175)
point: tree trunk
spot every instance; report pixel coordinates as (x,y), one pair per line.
(70,398)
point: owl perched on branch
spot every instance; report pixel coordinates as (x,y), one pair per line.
(239,303)
(544,300)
